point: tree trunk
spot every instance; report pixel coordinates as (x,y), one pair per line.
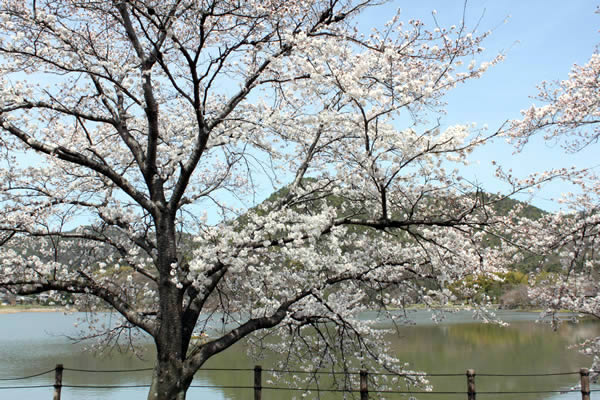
(168,383)
(168,380)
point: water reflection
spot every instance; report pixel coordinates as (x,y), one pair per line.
(33,342)
(522,348)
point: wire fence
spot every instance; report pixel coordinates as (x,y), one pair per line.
(362,388)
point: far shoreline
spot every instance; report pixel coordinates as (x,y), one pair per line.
(37,309)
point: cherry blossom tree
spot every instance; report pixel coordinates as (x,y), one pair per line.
(137,134)
(569,114)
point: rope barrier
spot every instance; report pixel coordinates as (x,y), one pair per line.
(26,387)
(532,392)
(105,386)
(222,387)
(302,372)
(413,374)
(299,372)
(27,377)
(277,388)
(353,373)
(516,375)
(389,373)
(228,369)
(293,389)
(106,370)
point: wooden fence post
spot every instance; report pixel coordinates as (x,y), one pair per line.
(585,383)
(257,382)
(471,394)
(58,372)
(364,389)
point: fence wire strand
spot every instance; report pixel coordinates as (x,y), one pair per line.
(280,388)
(102,371)
(540,375)
(105,386)
(305,372)
(27,377)
(26,387)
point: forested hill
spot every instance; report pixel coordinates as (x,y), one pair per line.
(501,206)
(71,251)
(68,249)
(510,289)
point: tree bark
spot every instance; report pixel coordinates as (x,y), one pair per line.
(168,382)
(168,379)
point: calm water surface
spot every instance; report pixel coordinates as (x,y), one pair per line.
(34,342)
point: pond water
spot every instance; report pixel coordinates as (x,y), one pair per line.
(35,342)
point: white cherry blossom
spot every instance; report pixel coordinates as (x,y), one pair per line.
(136,136)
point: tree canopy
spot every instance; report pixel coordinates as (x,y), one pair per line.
(125,123)
(568,114)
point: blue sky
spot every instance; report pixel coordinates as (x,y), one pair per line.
(541,40)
